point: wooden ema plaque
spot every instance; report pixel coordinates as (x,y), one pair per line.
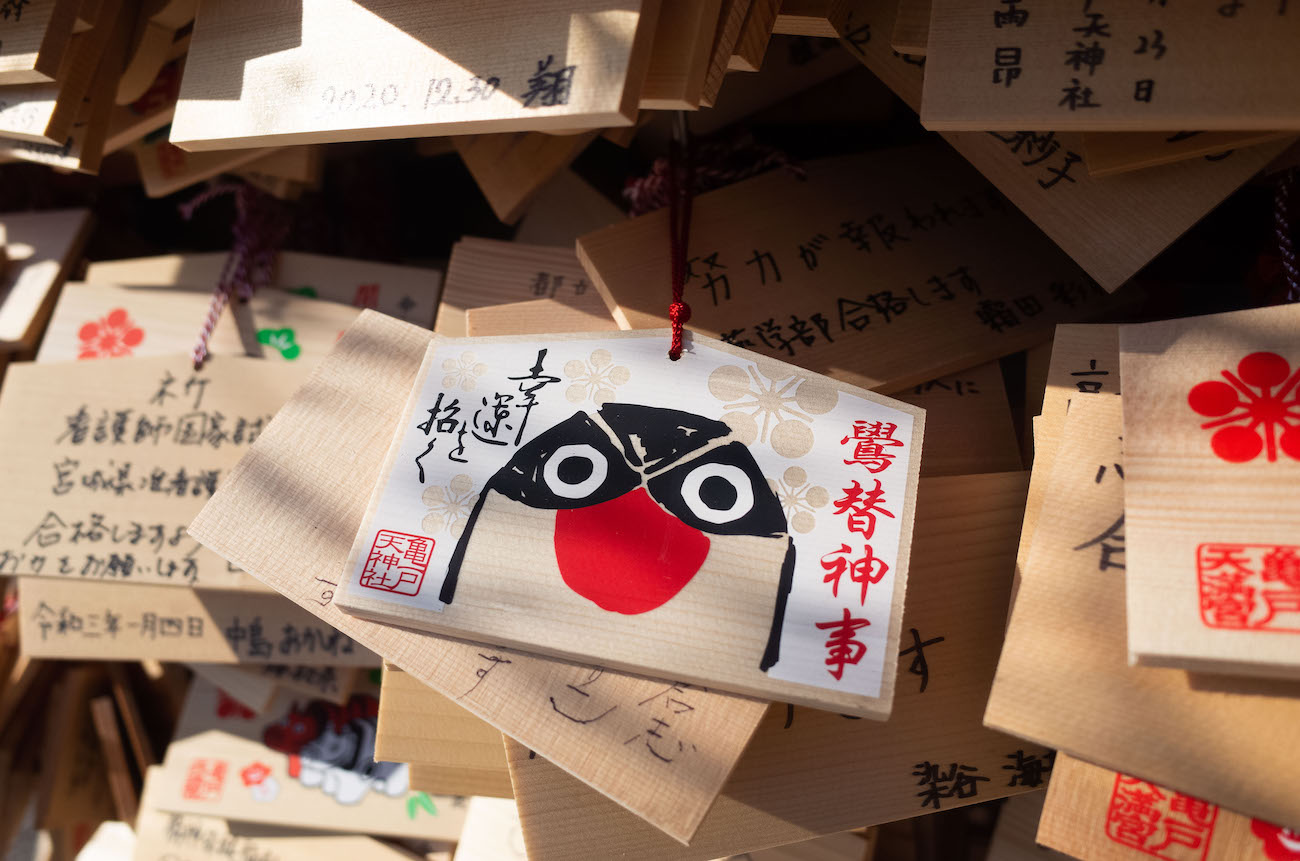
(882,270)
(303,761)
(1212,491)
(1102,815)
(290,485)
(393,69)
(1112,226)
(1084,66)
(1063,678)
(554,451)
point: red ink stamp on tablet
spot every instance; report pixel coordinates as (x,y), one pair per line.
(1254,410)
(1280,844)
(1249,586)
(204,779)
(397,562)
(1160,822)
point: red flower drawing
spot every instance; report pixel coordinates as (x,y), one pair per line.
(1280,844)
(110,336)
(254,774)
(1258,408)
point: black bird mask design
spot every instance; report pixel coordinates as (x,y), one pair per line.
(639,494)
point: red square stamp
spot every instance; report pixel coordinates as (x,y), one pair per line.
(204,779)
(397,562)
(1159,822)
(1249,586)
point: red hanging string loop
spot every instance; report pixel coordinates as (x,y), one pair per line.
(681,194)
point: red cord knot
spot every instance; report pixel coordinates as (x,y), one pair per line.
(679,313)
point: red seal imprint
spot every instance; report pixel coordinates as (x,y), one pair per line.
(1159,822)
(1280,844)
(204,779)
(397,562)
(1254,410)
(1252,587)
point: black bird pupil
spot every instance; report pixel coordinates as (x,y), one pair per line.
(717,493)
(574,470)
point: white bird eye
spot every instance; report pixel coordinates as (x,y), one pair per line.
(718,492)
(575,471)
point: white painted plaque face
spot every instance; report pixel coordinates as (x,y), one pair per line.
(738,507)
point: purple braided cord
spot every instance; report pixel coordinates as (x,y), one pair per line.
(717,163)
(1282,202)
(256,235)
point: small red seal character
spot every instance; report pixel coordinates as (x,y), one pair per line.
(1158,821)
(204,779)
(397,562)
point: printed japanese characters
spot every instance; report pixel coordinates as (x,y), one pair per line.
(1212,441)
(582,495)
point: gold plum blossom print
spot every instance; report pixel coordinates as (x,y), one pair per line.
(769,403)
(595,378)
(449,507)
(799,498)
(462,373)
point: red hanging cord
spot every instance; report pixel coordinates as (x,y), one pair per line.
(681,193)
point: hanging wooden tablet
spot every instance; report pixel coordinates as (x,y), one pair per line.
(908,249)
(755,33)
(162,836)
(563,209)
(538,316)
(150,112)
(110,460)
(453,751)
(810,772)
(688,450)
(804,18)
(1103,815)
(42,247)
(83,149)
(97,620)
(511,168)
(152,44)
(33,39)
(304,762)
(406,70)
(1111,227)
(407,293)
(45,112)
(492,272)
(1109,153)
(104,321)
(356,393)
(679,56)
(1114,67)
(912,28)
(166,168)
(731,19)
(1212,452)
(967,423)
(1063,679)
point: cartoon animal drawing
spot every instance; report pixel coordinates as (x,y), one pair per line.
(641,495)
(333,747)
